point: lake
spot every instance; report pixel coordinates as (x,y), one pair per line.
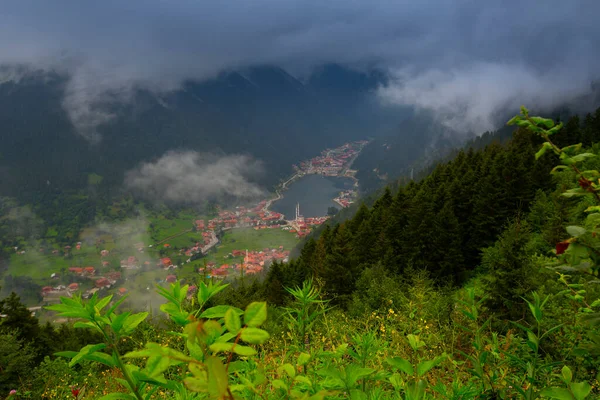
(315,193)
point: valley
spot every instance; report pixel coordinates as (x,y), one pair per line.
(160,245)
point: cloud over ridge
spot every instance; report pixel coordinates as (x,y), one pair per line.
(110,48)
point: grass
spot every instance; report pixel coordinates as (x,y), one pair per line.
(253,240)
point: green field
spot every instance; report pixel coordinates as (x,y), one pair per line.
(248,238)
(122,239)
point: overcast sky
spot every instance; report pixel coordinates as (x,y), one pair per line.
(464,59)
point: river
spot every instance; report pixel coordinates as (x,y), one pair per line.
(315,193)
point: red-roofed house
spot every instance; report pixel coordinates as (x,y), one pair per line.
(171,278)
(102,282)
(74,286)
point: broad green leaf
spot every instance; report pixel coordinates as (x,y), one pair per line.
(219,347)
(232,321)
(279,384)
(91,348)
(66,354)
(69,311)
(86,325)
(288,369)
(354,373)
(303,359)
(580,390)
(156,365)
(356,394)
(545,122)
(244,350)
(133,321)
(557,393)
(255,314)
(575,231)
(219,312)
(303,379)
(425,366)
(102,358)
(583,156)
(217,377)
(196,384)
(254,335)
(402,364)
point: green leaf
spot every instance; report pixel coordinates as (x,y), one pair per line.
(256,314)
(279,384)
(91,348)
(219,347)
(356,394)
(102,358)
(288,369)
(303,359)
(217,377)
(575,231)
(86,325)
(402,364)
(118,396)
(303,379)
(555,129)
(118,321)
(546,146)
(557,393)
(545,122)
(582,157)
(254,335)
(104,302)
(425,366)
(567,375)
(514,120)
(232,321)
(219,312)
(196,384)
(580,390)
(533,341)
(133,321)
(244,350)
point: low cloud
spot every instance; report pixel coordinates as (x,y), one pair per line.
(189,177)
(477,98)
(109,49)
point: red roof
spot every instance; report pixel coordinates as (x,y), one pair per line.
(171,278)
(74,286)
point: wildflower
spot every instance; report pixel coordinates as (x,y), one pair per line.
(391,311)
(75,392)
(12,393)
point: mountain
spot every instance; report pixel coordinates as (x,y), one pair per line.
(262,111)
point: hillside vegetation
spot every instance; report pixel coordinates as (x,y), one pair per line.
(477,282)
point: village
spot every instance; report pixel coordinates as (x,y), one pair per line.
(111,275)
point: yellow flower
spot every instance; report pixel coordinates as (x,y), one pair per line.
(391,311)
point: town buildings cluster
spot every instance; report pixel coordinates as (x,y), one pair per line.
(253,262)
(331,162)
